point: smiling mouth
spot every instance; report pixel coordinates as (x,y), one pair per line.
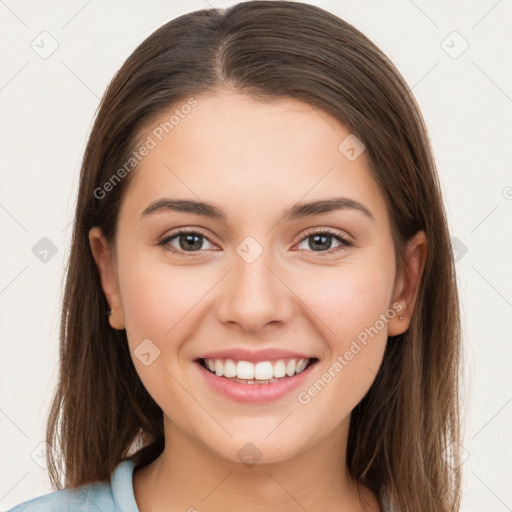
(263,372)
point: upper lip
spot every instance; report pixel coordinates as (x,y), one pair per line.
(254,356)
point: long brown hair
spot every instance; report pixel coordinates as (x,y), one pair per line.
(402,432)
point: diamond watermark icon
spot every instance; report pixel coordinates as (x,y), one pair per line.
(38,454)
(45,45)
(249,249)
(455,455)
(454,45)
(146,352)
(249,454)
(459,248)
(44,250)
(351,147)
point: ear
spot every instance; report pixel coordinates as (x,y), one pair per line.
(407,284)
(103,256)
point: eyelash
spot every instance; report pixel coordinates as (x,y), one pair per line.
(345,242)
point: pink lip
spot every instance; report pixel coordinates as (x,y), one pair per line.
(241,354)
(254,392)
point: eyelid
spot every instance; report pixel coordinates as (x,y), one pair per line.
(329,231)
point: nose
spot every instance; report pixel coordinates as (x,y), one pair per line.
(254,294)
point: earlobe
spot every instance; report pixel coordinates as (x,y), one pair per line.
(103,258)
(406,291)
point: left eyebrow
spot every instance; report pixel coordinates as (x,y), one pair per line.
(297,211)
(322,206)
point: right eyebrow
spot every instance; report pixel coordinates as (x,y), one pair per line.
(186,206)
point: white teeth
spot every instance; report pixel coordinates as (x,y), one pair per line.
(219,368)
(229,368)
(262,371)
(301,365)
(244,370)
(279,369)
(290,367)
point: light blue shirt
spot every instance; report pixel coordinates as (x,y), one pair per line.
(116,496)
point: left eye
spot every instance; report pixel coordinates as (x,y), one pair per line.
(321,239)
(192,241)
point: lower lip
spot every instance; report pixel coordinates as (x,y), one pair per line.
(254,392)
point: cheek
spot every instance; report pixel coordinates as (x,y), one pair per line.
(346,300)
(350,307)
(160,304)
(159,299)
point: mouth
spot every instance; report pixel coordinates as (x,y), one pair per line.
(257,373)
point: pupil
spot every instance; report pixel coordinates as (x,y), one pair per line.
(317,243)
(189,239)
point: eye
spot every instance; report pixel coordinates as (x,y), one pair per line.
(188,241)
(323,240)
(193,241)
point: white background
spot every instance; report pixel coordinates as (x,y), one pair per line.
(47,108)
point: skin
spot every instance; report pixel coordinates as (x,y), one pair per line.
(253,159)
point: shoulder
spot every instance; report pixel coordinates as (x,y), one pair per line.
(104,496)
(84,499)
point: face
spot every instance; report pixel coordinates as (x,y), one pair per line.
(316,283)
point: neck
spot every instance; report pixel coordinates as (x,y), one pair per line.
(188,476)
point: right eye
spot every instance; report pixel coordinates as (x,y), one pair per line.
(186,240)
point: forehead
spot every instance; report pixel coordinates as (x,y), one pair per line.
(241,153)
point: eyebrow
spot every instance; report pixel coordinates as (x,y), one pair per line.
(297,211)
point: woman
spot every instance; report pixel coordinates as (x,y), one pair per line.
(261,308)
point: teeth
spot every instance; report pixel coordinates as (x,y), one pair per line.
(279,369)
(219,368)
(301,365)
(229,368)
(244,369)
(263,371)
(290,367)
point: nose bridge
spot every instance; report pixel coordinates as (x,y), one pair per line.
(254,295)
